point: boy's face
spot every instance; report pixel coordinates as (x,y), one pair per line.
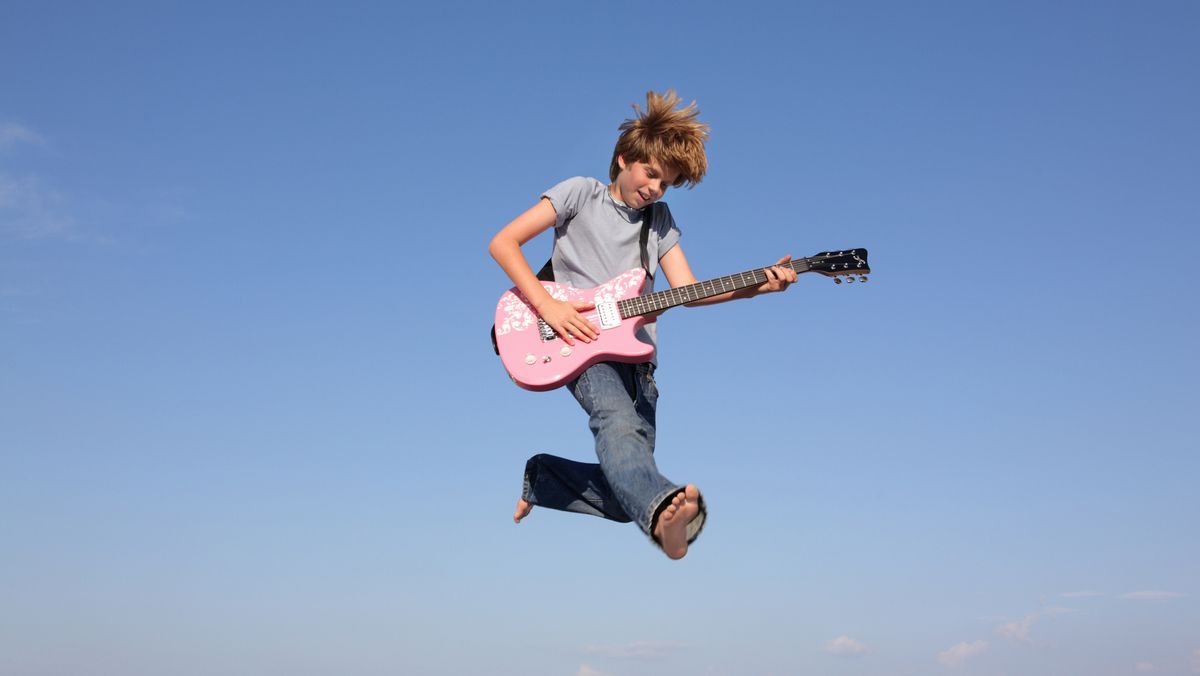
(642,183)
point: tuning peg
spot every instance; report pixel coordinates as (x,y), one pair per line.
(850,279)
(837,280)
(862,278)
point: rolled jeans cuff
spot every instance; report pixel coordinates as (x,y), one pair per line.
(694,526)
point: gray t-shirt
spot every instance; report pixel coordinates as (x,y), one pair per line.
(596,236)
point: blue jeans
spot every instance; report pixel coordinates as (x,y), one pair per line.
(626,485)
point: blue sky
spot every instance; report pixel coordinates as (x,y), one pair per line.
(250,422)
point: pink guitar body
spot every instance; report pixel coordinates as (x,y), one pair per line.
(539,360)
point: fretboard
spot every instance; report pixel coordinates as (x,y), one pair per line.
(680,295)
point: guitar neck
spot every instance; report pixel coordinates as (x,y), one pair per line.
(680,295)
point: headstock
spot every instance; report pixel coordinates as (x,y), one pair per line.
(838,264)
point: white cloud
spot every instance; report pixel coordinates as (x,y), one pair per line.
(12,134)
(585,670)
(1081,594)
(30,211)
(845,646)
(957,655)
(1056,610)
(1145,667)
(637,650)
(1019,630)
(1152,595)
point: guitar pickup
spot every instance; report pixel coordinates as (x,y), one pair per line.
(610,316)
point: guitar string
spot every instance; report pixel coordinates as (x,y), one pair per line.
(662,300)
(684,294)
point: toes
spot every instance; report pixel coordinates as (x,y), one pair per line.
(676,502)
(522,511)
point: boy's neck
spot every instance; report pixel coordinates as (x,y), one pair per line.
(614,193)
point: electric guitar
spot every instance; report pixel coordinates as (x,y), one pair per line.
(538,359)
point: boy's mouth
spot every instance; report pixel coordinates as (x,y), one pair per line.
(644,196)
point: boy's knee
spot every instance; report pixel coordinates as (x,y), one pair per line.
(533,464)
(619,417)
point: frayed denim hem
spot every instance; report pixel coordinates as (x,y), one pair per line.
(527,481)
(694,526)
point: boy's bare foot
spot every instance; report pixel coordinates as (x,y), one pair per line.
(671,529)
(523,510)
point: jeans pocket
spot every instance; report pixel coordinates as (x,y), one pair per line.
(648,384)
(579,389)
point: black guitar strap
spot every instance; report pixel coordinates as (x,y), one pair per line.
(652,214)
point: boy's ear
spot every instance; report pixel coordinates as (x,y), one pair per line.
(621,162)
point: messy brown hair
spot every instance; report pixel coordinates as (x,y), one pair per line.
(672,136)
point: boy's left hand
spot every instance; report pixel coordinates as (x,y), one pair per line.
(778,277)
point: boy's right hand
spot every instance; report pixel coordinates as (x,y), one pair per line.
(564,318)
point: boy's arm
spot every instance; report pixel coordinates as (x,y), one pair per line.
(675,266)
(505,247)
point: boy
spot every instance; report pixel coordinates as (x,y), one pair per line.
(596,237)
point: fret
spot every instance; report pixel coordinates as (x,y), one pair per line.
(663,300)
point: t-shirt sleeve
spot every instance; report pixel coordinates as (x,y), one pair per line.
(566,198)
(668,233)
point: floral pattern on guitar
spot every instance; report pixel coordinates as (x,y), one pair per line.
(514,314)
